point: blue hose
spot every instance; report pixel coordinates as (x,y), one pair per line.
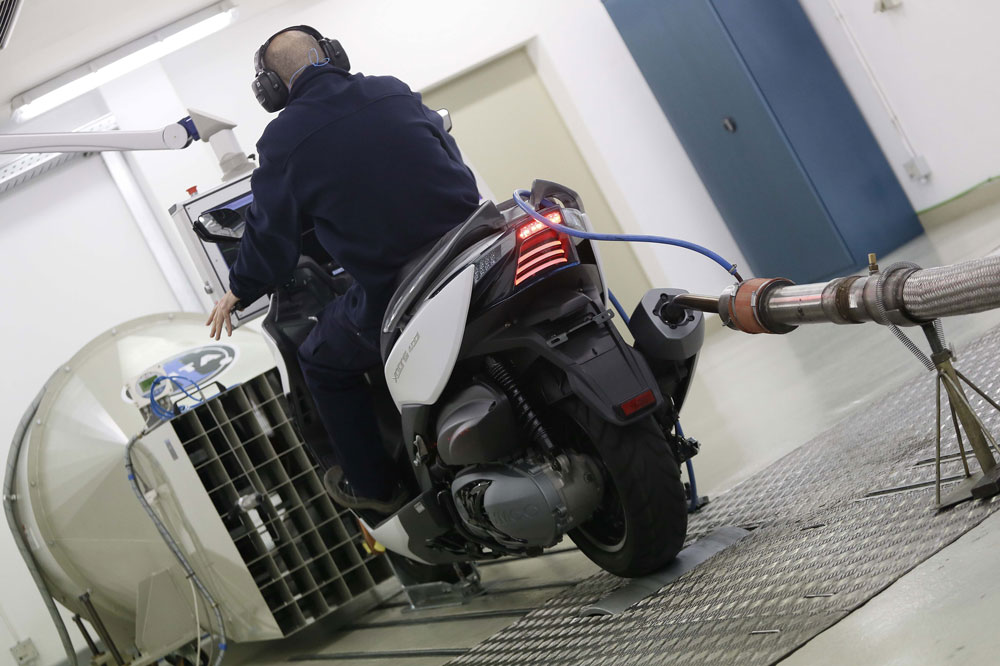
(628,238)
(693,504)
(618,306)
(161,413)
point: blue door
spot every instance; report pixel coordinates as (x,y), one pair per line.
(806,216)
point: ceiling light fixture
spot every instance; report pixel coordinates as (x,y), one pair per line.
(9,10)
(122,60)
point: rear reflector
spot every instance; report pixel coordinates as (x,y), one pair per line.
(638,403)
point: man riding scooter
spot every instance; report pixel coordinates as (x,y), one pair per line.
(373,169)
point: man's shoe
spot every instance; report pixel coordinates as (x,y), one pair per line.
(340,489)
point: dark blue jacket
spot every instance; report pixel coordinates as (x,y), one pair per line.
(371,167)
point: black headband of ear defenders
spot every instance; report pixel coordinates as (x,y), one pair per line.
(258,58)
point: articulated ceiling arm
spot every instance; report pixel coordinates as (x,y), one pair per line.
(172,137)
(202,126)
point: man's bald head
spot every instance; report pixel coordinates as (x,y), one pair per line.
(290,51)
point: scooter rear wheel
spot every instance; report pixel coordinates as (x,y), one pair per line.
(642,520)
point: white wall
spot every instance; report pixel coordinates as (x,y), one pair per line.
(937,62)
(580,57)
(933,61)
(145,99)
(74,264)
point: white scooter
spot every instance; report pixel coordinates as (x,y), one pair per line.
(517,408)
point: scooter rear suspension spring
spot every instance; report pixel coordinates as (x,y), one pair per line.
(527,419)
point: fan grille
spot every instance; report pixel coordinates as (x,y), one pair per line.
(305,553)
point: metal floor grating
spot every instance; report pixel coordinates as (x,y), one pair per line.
(821,546)
(304,552)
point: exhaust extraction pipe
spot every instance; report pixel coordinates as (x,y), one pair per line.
(902,294)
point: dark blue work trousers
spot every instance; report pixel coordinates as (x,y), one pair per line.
(334,358)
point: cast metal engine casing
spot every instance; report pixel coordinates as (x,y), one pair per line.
(478,426)
(528,503)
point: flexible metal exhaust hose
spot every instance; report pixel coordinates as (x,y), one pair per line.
(9,500)
(971,286)
(900,295)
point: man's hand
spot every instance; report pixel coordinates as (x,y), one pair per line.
(220,316)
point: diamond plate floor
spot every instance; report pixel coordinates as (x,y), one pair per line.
(820,547)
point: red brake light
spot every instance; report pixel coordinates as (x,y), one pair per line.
(540,248)
(639,402)
(530,229)
(533,227)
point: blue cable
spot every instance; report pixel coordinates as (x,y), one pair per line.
(161,413)
(618,306)
(154,406)
(190,381)
(693,502)
(693,506)
(314,61)
(628,238)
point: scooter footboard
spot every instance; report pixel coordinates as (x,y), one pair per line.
(408,531)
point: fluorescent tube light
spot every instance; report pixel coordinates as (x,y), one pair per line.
(123,60)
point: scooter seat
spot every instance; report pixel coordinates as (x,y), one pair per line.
(416,276)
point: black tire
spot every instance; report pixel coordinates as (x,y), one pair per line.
(642,521)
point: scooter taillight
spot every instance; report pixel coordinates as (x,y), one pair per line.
(540,248)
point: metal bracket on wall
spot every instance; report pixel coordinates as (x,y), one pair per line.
(886,5)
(25,653)
(918,169)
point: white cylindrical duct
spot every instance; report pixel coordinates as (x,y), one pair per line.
(232,160)
(80,520)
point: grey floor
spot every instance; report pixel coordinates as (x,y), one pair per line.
(513,588)
(755,399)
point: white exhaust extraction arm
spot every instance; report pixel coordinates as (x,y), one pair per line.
(215,131)
(172,137)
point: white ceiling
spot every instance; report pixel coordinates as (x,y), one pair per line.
(53,36)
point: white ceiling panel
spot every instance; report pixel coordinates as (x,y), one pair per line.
(52,36)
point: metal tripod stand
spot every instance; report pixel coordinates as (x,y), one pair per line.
(978,485)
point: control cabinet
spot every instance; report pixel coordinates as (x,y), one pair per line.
(213,260)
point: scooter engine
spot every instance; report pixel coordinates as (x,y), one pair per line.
(528,502)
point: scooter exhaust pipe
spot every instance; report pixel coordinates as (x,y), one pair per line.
(901,294)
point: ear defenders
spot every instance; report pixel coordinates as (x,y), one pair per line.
(269,89)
